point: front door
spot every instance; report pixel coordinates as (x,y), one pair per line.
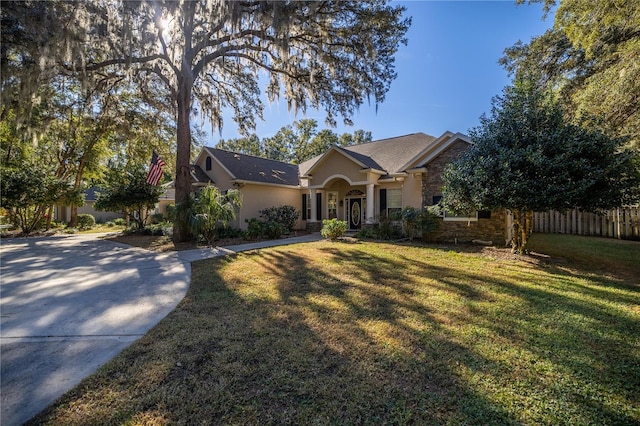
(355,213)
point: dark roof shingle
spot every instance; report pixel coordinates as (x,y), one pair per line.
(257,169)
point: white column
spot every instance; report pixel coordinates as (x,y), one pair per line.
(313,201)
(370,204)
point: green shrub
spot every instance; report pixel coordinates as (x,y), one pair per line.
(86,221)
(273,229)
(388,228)
(430,222)
(229,232)
(110,224)
(157,230)
(255,229)
(119,221)
(157,218)
(287,216)
(333,228)
(370,232)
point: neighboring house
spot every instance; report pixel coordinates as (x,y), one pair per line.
(63,213)
(359,184)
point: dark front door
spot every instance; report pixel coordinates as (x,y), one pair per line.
(355,213)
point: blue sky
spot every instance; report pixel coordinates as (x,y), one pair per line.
(447,74)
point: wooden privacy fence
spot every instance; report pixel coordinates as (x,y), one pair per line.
(616,223)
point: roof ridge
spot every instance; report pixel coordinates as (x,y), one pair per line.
(386,139)
(250,155)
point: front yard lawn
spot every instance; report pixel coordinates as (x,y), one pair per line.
(379,333)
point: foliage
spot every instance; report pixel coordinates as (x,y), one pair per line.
(249,145)
(419,222)
(329,55)
(208,208)
(410,221)
(591,57)
(287,216)
(272,229)
(128,192)
(388,227)
(86,221)
(333,228)
(230,232)
(526,158)
(28,193)
(157,218)
(119,221)
(294,143)
(264,229)
(255,229)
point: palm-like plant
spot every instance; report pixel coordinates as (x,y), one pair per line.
(210,207)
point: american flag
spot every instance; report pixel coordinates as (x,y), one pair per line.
(155,171)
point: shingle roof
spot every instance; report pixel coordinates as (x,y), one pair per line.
(198,175)
(393,153)
(256,169)
(91,194)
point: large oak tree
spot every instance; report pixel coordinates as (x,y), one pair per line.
(209,55)
(590,57)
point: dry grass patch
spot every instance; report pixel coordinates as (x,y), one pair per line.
(376,333)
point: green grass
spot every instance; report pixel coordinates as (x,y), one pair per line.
(101,227)
(376,333)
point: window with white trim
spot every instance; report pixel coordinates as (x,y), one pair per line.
(394,201)
(452,217)
(332,205)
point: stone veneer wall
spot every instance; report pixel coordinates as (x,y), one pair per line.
(493,229)
(313,226)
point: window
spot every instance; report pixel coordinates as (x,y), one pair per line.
(208,164)
(390,202)
(306,207)
(332,205)
(450,216)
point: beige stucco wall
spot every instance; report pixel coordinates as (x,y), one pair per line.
(218,174)
(336,164)
(260,197)
(412,192)
(63,213)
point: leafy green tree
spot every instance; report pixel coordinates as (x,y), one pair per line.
(249,145)
(209,54)
(591,57)
(27,192)
(209,208)
(525,157)
(295,143)
(128,192)
(281,145)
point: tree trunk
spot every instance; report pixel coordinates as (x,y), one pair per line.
(183,159)
(522,228)
(73,220)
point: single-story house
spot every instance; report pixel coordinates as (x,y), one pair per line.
(63,213)
(358,184)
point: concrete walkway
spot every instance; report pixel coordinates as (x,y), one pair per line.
(68,304)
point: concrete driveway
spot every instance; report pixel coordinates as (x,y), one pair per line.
(68,304)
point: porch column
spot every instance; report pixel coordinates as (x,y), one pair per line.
(370,204)
(314,209)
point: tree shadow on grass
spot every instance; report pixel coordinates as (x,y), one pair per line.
(347,335)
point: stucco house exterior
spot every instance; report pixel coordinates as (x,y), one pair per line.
(359,184)
(63,213)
